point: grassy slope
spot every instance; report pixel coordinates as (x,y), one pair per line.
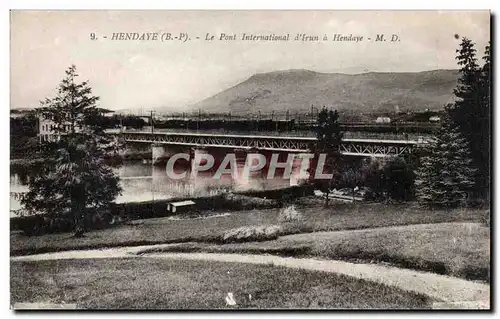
(155,284)
(296,89)
(458,249)
(338,217)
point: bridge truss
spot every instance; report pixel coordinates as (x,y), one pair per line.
(349,147)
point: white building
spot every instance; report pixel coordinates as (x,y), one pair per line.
(383,119)
(47,129)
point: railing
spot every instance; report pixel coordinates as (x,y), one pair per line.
(346,134)
(349,147)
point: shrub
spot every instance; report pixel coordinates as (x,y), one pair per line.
(45,224)
(289,215)
(400,179)
(395,180)
(239,201)
(251,233)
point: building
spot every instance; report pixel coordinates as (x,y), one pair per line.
(47,129)
(383,119)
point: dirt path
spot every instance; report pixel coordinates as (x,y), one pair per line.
(453,292)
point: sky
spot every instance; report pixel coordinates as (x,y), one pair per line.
(131,75)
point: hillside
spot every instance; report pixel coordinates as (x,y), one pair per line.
(297,90)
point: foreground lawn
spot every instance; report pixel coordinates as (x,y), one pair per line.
(316,218)
(148,283)
(457,249)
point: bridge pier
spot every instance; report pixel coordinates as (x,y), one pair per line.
(301,165)
(195,159)
(158,152)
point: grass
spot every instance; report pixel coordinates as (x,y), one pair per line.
(315,218)
(149,283)
(457,249)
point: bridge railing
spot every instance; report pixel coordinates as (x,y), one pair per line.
(346,134)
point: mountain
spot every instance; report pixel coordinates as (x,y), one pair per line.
(297,90)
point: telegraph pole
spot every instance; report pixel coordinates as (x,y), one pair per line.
(152,164)
(258,121)
(152,121)
(199,119)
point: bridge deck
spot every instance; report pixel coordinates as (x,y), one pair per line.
(272,137)
(277,137)
(296,144)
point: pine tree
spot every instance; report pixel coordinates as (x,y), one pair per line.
(445,176)
(471,110)
(484,133)
(74,180)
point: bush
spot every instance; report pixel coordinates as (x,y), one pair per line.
(283,193)
(400,179)
(289,215)
(251,233)
(44,224)
(238,201)
(395,180)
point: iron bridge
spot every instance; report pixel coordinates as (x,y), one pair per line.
(296,144)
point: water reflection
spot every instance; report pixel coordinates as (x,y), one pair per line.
(142,181)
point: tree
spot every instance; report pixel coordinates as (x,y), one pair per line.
(373,178)
(445,175)
(23,134)
(351,177)
(74,180)
(329,138)
(471,110)
(399,178)
(483,136)
(392,178)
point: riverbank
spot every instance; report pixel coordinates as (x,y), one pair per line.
(338,216)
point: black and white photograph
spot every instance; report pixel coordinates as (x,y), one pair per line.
(250,160)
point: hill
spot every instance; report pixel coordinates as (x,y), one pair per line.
(297,90)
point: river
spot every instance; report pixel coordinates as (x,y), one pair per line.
(139,184)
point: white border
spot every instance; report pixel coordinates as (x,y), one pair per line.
(255,4)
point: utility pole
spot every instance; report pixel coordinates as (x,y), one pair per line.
(121,122)
(152,121)
(287,122)
(199,119)
(258,121)
(152,164)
